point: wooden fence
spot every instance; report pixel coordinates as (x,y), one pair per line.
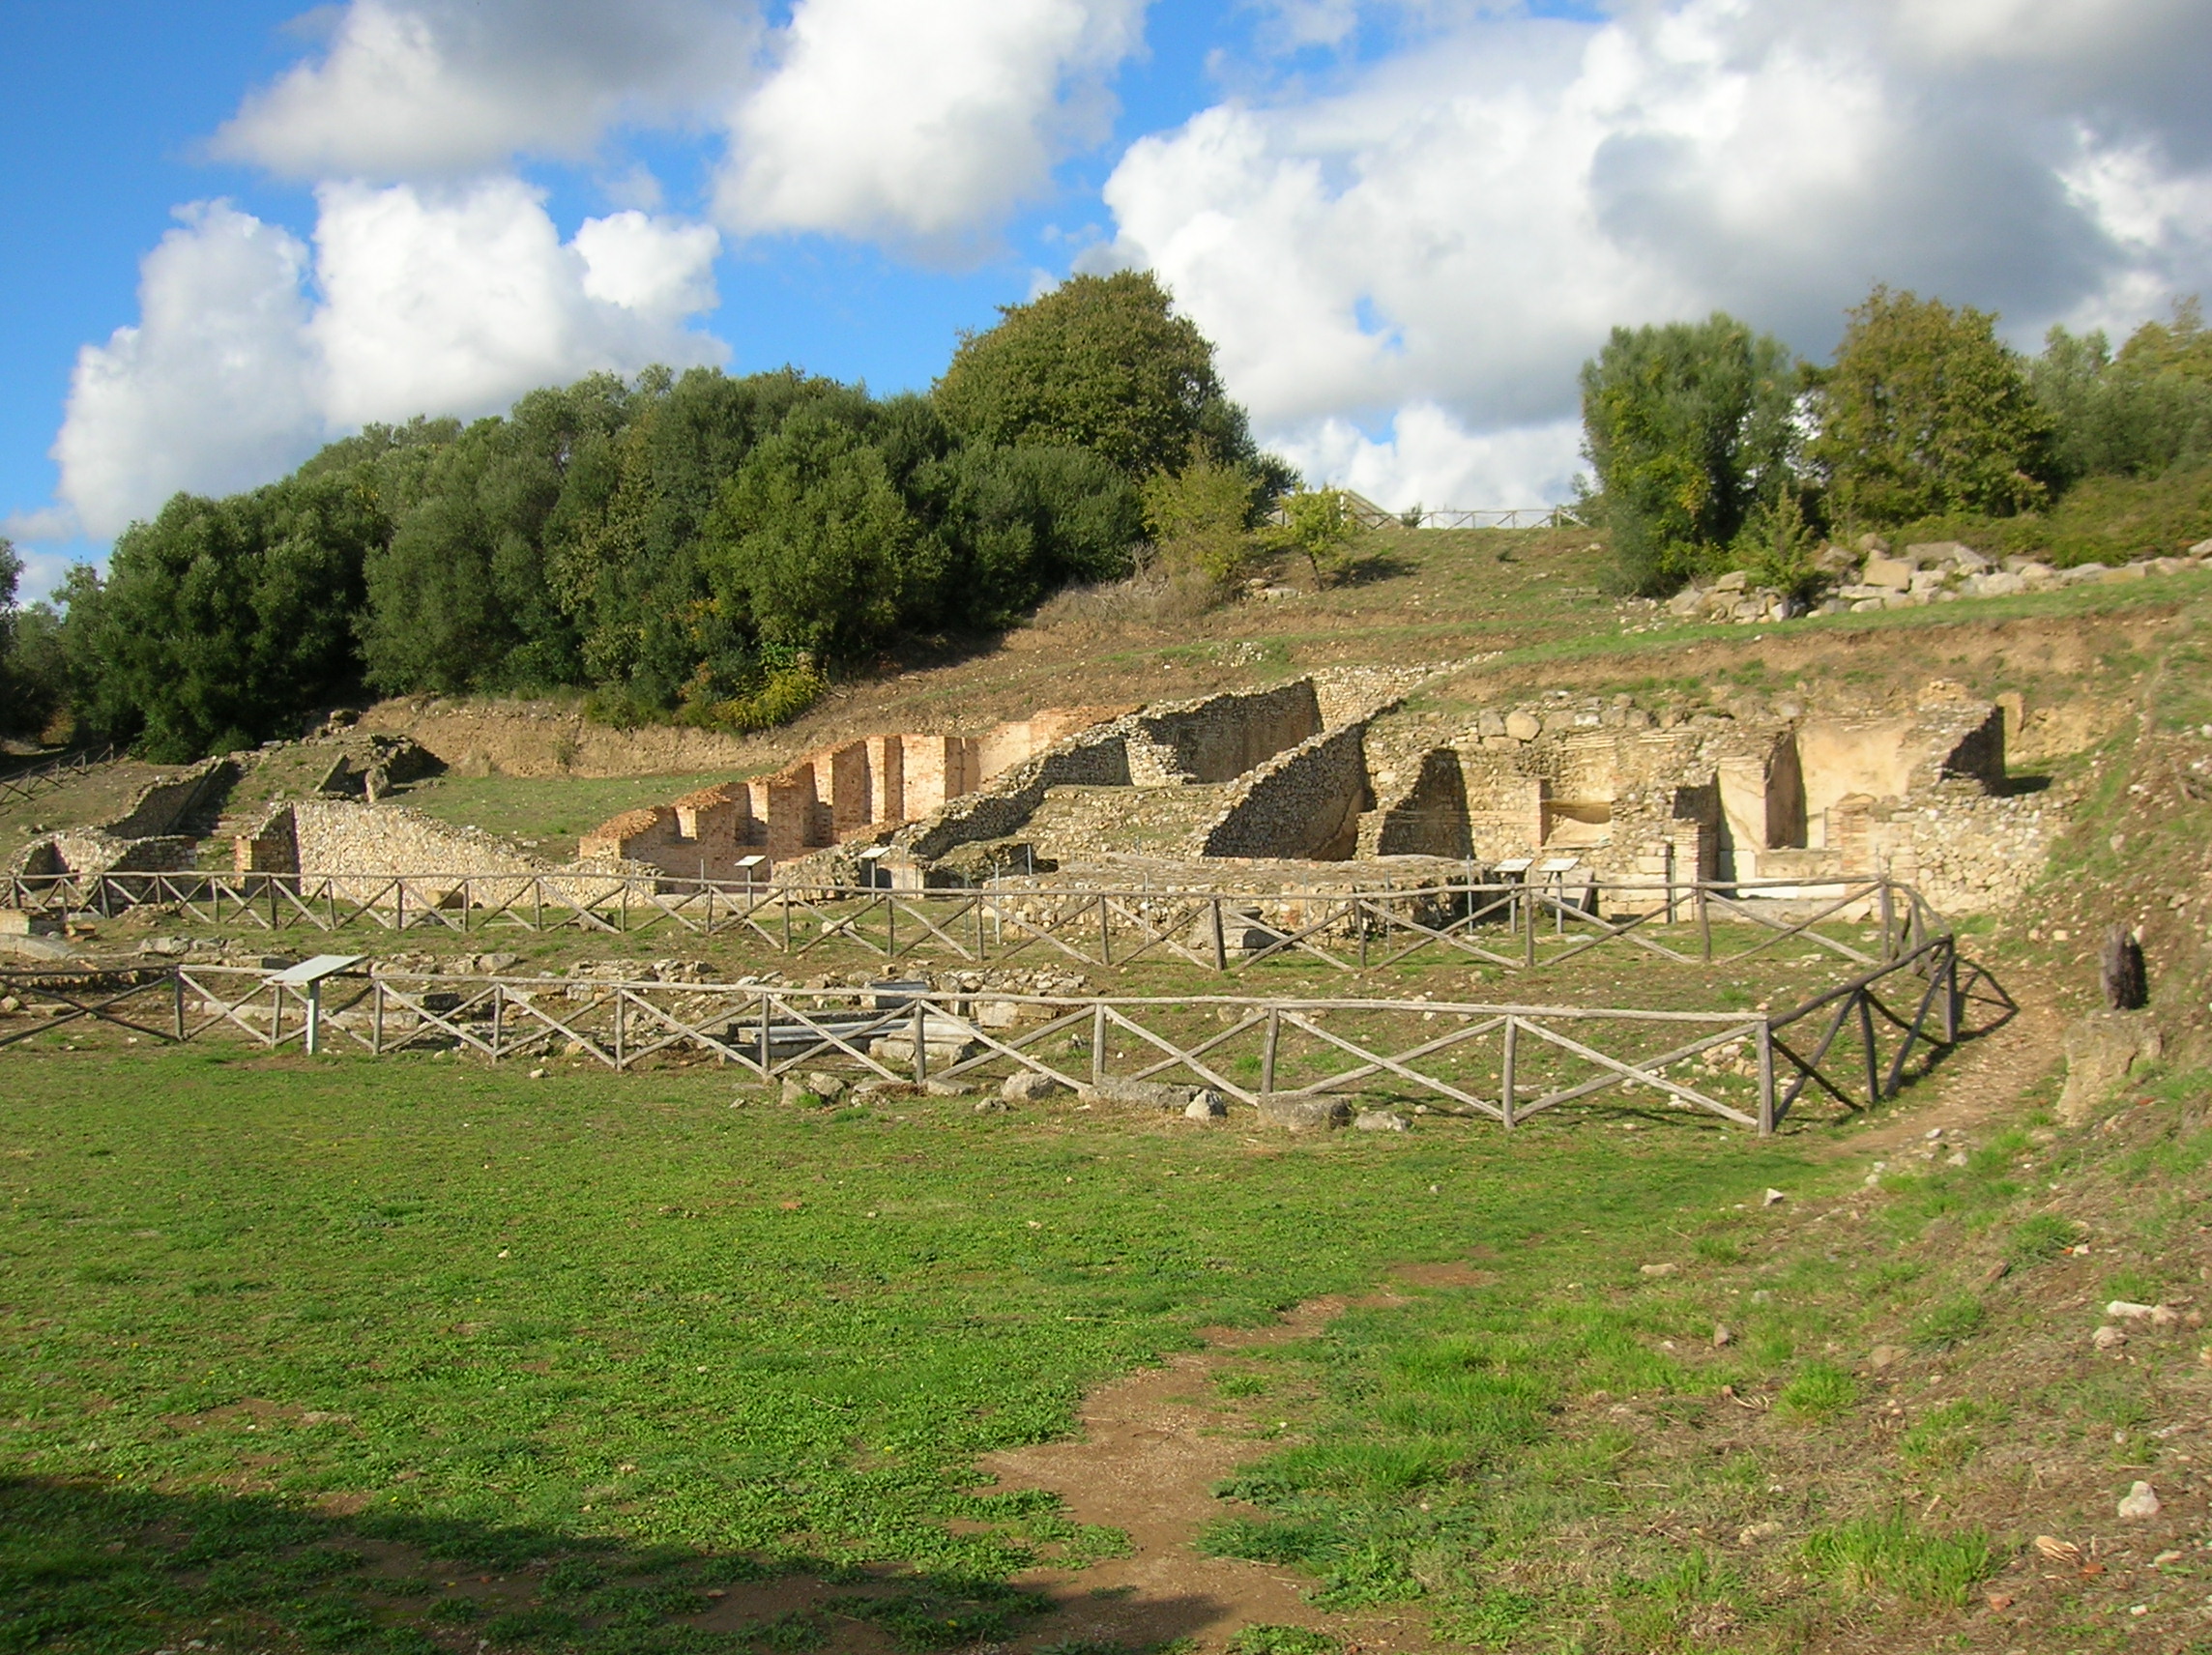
(1501,1063)
(45,777)
(1506,923)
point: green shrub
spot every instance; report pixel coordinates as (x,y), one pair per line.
(1282,1641)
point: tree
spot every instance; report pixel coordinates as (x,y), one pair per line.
(1689,429)
(1318,525)
(1201,518)
(223,620)
(1925,411)
(2138,414)
(1101,363)
(813,544)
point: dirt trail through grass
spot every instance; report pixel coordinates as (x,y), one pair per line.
(1153,1449)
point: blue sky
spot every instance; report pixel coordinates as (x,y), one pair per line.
(1405,223)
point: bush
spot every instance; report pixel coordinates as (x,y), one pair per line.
(1688,427)
(1818,1391)
(1201,519)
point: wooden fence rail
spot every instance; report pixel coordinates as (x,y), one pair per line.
(35,779)
(1496,1062)
(1501,923)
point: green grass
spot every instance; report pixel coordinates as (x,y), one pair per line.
(579,1325)
(1896,1555)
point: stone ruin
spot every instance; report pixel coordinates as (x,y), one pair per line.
(1328,780)
(1331,776)
(833,794)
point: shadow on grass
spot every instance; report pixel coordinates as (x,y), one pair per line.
(89,1568)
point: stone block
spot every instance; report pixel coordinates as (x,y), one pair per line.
(1891,573)
(1140,1095)
(2101,1050)
(1303,1112)
(1523,726)
(1735,580)
(1030,1087)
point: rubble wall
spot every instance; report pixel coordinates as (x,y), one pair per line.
(1222,737)
(1306,802)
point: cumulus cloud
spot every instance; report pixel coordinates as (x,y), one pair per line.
(1447,235)
(920,124)
(210,391)
(428,88)
(250,352)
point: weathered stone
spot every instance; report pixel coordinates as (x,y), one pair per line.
(1686,602)
(1735,580)
(1144,1094)
(1873,545)
(1882,1357)
(1772,1198)
(1666,1269)
(2140,1503)
(2108,1338)
(1030,1087)
(1302,1111)
(815,1086)
(2101,1049)
(1523,726)
(1893,573)
(1378,1120)
(1208,1105)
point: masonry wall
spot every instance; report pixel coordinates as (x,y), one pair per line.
(1306,802)
(1431,819)
(1222,737)
(165,807)
(1097,758)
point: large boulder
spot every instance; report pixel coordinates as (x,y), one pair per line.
(1892,574)
(1143,1094)
(2102,1050)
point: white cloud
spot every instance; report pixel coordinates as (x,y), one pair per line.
(1452,231)
(1430,459)
(429,88)
(457,303)
(210,391)
(438,303)
(920,124)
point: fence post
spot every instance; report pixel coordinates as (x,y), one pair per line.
(1268,1052)
(376,1016)
(1105,936)
(1873,1087)
(1705,924)
(1529,908)
(1951,991)
(1508,1086)
(621,1001)
(1220,942)
(1765,1078)
(1888,921)
(177,982)
(920,1043)
(1098,1043)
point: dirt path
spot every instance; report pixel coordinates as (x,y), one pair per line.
(1154,1446)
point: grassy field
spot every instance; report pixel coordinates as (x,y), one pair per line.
(403,1356)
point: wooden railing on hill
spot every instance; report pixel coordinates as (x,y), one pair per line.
(50,773)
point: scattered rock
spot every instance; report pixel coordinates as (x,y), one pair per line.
(168,947)
(2141,1502)
(1886,1357)
(2102,1049)
(2108,1338)
(1658,1269)
(991,1106)
(1893,575)
(1757,1532)
(2126,1310)
(1722,1335)
(1772,1198)
(1206,1106)
(1378,1120)
(1523,726)
(1028,1086)
(537,1074)
(2057,1551)
(947,1088)
(1300,1112)
(491,965)
(815,1086)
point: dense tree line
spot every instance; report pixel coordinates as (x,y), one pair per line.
(701,547)
(1715,447)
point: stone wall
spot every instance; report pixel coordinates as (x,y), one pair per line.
(1306,802)
(1221,737)
(320,837)
(1097,758)
(1428,819)
(165,807)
